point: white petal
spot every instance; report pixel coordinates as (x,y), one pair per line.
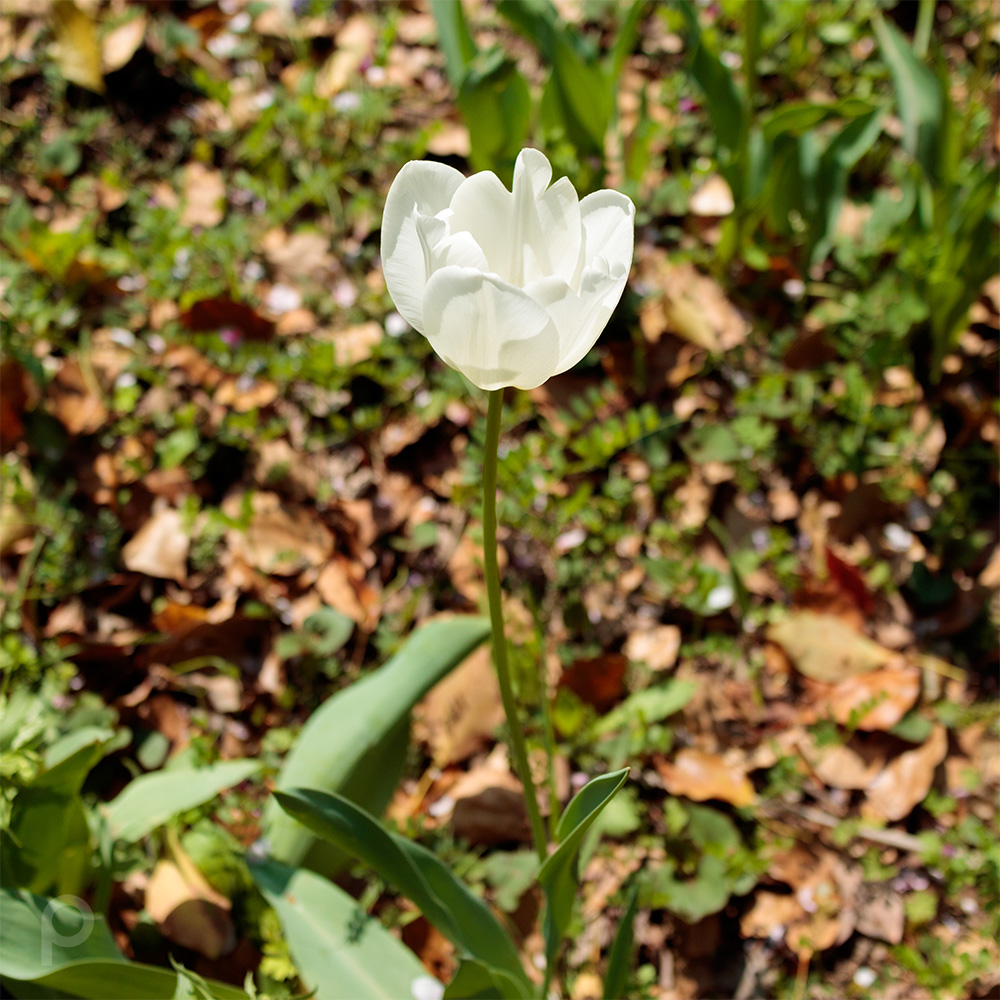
(483,207)
(459,250)
(609,229)
(554,240)
(427,187)
(580,317)
(532,173)
(492,332)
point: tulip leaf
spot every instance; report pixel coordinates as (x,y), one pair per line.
(334,944)
(50,948)
(448,904)
(919,95)
(727,110)
(151,799)
(476,980)
(495,104)
(341,745)
(616,979)
(456,40)
(557,874)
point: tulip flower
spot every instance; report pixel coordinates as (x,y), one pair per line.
(510,288)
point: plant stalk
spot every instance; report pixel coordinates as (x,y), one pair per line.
(492,570)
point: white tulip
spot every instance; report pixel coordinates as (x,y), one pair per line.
(509,288)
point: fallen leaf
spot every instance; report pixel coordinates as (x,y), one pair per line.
(462,712)
(160,547)
(16,392)
(700,776)
(657,648)
(597,681)
(280,539)
(713,199)
(243,395)
(209,315)
(204,196)
(826,648)
(122,43)
(880,912)
(76,400)
(355,43)
(304,254)
(76,50)
(343,592)
(906,780)
(872,701)
(489,808)
(355,343)
(851,765)
(186,907)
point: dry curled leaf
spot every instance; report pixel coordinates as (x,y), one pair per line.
(905,782)
(76,50)
(657,648)
(462,712)
(281,540)
(186,907)
(204,196)
(875,701)
(122,43)
(701,776)
(825,648)
(160,547)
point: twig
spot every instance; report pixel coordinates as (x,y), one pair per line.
(890,838)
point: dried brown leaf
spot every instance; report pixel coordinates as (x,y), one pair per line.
(160,547)
(701,776)
(826,648)
(905,782)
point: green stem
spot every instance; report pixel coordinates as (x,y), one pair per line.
(496,620)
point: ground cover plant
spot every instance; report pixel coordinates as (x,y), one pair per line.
(251,740)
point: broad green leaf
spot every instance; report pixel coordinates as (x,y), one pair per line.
(557,874)
(477,981)
(47,815)
(338,742)
(651,705)
(338,949)
(799,116)
(495,104)
(456,41)
(727,110)
(836,163)
(616,979)
(919,96)
(447,903)
(48,948)
(151,800)
(628,35)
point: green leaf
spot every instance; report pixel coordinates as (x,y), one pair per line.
(477,981)
(495,105)
(47,816)
(412,870)
(796,117)
(557,874)
(456,41)
(49,944)
(651,705)
(338,743)
(336,946)
(919,96)
(616,979)
(727,110)
(151,800)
